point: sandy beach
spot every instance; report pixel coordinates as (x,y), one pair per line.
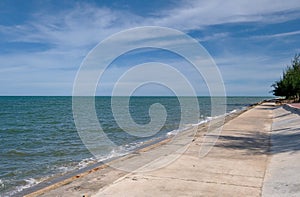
(256,154)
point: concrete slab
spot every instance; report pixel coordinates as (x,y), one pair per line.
(156,186)
(283,173)
(235,166)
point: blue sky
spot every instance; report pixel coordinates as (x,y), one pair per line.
(42,43)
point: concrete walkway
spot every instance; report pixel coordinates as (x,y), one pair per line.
(283,173)
(245,161)
(234,167)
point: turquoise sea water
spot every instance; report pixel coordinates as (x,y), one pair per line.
(38,137)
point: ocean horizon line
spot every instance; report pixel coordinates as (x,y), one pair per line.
(205,96)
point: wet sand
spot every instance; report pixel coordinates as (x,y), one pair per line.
(235,166)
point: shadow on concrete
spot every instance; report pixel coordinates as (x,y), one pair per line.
(267,108)
(256,143)
(291,109)
(285,142)
(282,115)
(285,135)
(281,129)
(288,140)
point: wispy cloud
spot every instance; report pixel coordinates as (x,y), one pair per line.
(278,35)
(78,27)
(199,14)
(70,33)
(215,36)
(85,25)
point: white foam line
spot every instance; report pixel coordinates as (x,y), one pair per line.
(207,119)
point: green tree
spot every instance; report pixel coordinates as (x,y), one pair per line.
(289,84)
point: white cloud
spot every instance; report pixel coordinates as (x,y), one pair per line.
(215,36)
(70,34)
(85,25)
(252,74)
(198,14)
(79,27)
(279,35)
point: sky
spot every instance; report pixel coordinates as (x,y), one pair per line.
(43,43)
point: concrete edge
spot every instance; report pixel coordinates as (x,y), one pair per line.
(292,109)
(70,177)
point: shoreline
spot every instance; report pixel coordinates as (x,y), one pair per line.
(61,180)
(251,157)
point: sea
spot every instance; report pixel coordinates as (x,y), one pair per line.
(39,139)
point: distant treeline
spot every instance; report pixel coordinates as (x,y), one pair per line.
(289,84)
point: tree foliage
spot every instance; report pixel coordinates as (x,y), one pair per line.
(289,84)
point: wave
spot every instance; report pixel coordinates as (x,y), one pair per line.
(114,153)
(1,185)
(130,147)
(201,122)
(27,184)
